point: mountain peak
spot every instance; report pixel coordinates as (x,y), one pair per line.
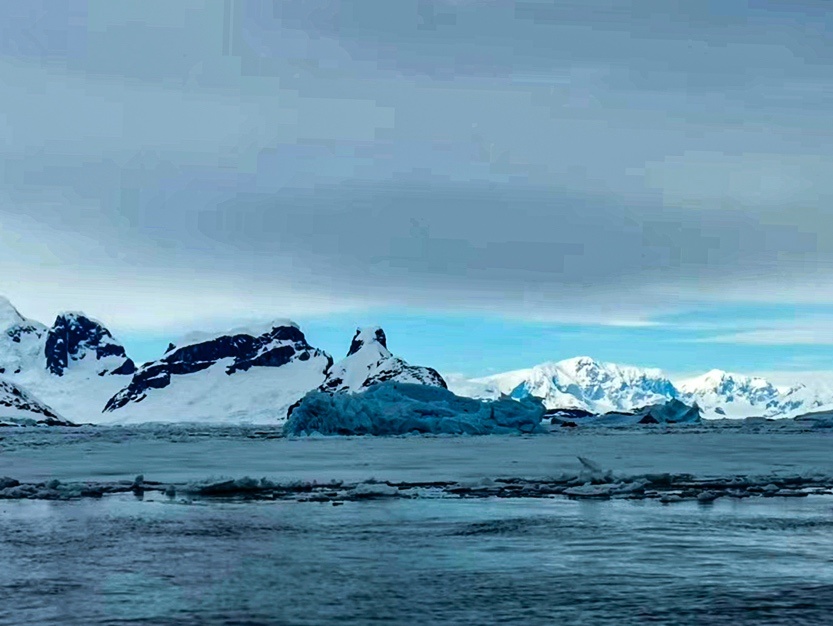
(74,336)
(584,383)
(279,352)
(369,362)
(581,361)
(9,315)
(368,336)
(252,330)
(720,380)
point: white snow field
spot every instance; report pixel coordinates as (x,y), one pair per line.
(261,395)
(17,406)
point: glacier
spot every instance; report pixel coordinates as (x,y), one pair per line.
(394,408)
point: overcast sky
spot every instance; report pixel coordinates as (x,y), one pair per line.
(654,174)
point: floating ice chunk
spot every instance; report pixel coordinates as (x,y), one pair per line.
(591,465)
(392,408)
(590,491)
(374,490)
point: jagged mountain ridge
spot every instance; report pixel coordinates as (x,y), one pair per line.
(76,367)
(243,375)
(255,376)
(249,375)
(369,362)
(585,384)
(74,337)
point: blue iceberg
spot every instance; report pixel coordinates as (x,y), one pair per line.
(393,408)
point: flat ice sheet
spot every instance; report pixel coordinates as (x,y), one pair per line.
(185,454)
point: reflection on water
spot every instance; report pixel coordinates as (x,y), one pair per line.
(120,560)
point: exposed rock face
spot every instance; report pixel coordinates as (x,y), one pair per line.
(369,362)
(75,337)
(235,353)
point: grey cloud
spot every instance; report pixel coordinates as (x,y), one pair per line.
(588,160)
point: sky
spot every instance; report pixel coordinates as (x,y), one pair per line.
(497,183)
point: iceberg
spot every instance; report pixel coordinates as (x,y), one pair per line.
(671,412)
(393,408)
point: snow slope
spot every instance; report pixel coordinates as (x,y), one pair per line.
(75,366)
(18,406)
(21,340)
(369,362)
(236,377)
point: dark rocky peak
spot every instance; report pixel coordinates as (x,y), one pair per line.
(74,337)
(369,362)
(282,343)
(365,336)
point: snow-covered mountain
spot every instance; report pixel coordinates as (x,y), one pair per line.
(77,370)
(74,338)
(369,362)
(585,384)
(579,383)
(245,375)
(21,340)
(722,394)
(74,367)
(18,406)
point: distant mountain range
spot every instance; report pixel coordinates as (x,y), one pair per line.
(597,387)
(76,370)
